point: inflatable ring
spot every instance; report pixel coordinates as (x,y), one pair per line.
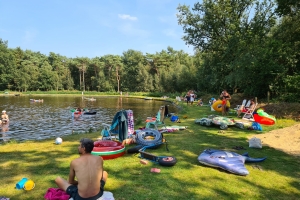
(149,137)
(108,149)
(107,153)
(217,106)
(106,145)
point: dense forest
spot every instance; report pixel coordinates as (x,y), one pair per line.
(244,46)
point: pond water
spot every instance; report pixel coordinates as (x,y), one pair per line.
(53,117)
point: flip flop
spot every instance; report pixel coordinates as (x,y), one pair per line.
(239,148)
(257,167)
(155,170)
(144,162)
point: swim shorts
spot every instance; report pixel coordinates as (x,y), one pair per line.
(224,102)
(72,190)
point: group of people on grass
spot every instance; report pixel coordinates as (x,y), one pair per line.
(190,97)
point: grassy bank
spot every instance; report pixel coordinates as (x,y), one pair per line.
(42,161)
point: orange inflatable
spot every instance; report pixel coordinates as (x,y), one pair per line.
(264,118)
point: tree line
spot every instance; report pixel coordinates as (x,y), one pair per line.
(245,46)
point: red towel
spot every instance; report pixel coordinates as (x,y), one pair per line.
(56,194)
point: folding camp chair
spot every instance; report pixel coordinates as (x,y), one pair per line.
(248,114)
(118,129)
(243,104)
(159,121)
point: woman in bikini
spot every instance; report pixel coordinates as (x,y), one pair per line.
(225,96)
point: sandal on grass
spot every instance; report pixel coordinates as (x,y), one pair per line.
(239,148)
(155,170)
(257,167)
(144,162)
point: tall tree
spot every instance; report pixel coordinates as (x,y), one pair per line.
(113,70)
(47,77)
(288,7)
(82,64)
(134,64)
(223,31)
(7,64)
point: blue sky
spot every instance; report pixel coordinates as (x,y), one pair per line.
(90,28)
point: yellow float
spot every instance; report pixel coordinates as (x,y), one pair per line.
(217,106)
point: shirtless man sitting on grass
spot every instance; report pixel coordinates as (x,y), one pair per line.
(89,173)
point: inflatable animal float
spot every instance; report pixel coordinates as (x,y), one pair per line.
(229,161)
(222,122)
(264,118)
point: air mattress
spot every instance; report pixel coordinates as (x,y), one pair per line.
(229,161)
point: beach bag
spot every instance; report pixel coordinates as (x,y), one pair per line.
(255,143)
(256,126)
(174,118)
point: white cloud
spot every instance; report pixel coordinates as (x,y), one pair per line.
(127,17)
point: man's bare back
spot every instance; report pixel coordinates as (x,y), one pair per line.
(88,170)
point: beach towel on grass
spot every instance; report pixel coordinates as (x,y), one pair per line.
(56,194)
(106,196)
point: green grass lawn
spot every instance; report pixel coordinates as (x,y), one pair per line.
(43,161)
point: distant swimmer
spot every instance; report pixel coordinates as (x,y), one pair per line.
(4,117)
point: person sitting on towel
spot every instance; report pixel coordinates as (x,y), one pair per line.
(88,170)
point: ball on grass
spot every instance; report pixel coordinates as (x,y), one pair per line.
(58,140)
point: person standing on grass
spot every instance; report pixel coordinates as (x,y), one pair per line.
(88,170)
(188,97)
(225,96)
(192,97)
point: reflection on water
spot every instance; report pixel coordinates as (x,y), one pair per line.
(4,129)
(52,117)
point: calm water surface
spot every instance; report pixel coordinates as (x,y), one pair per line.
(53,118)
